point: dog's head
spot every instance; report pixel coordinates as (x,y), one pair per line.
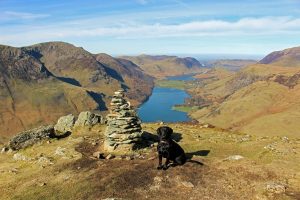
(164,132)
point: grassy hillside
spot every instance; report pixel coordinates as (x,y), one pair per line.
(230,64)
(261,99)
(234,166)
(42,82)
(162,66)
(287,58)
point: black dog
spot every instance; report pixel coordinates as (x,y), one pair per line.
(169,149)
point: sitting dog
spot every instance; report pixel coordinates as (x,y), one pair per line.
(169,149)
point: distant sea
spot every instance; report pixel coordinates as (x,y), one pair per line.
(207,57)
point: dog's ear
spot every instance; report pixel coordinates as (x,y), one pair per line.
(169,131)
(158,131)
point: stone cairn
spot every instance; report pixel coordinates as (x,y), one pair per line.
(123,125)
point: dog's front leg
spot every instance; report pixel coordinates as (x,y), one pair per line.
(160,166)
(166,164)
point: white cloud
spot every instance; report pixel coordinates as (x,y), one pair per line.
(242,27)
(11,15)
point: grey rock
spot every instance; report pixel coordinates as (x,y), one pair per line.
(234,157)
(109,156)
(20,157)
(30,137)
(88,119)
(276,188)
(129,158)
(4,149)
(187,184)
(64,125)
(60,151)
(44,161)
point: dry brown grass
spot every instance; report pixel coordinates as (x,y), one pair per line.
(252,101)
(78,176)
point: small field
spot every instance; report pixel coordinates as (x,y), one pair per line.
(171,84)
(184,108)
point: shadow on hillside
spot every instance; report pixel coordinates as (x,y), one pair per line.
(198,153)
(67,134)
(97,97)
(71,81)
(113,73)
(149,137)
(190,155)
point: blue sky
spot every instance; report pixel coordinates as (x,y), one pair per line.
(121,27)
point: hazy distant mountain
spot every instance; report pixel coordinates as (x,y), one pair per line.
(161,66)
(229,64)
(42,82)
(288,57)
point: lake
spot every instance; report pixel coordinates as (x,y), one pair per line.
(160,103)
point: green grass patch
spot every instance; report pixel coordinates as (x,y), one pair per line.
(185,108)
(171,84)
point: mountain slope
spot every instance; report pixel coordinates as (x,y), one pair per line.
(39,83)
(261,99)
(230,64)
(162,66)
(286,58)
(137,82)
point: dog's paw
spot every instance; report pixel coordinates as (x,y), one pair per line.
(165,167)
(159,167)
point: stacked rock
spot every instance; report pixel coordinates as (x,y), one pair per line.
(123,125)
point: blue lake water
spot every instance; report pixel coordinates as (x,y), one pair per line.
(160,103)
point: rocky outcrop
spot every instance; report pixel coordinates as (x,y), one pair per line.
(30,137)
(64,125)
(88,119)
(123,125)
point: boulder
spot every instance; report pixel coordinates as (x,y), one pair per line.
(88,119)
(64,125)
(30,137)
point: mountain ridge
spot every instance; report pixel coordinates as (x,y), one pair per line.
(161,66)
(287,57)
(41,82)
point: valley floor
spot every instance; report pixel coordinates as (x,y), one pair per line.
(234,166)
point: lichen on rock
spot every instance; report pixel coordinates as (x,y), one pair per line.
(64,125)
(88,118)
(30,137)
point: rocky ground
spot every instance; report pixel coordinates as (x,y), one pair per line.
(234,166)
